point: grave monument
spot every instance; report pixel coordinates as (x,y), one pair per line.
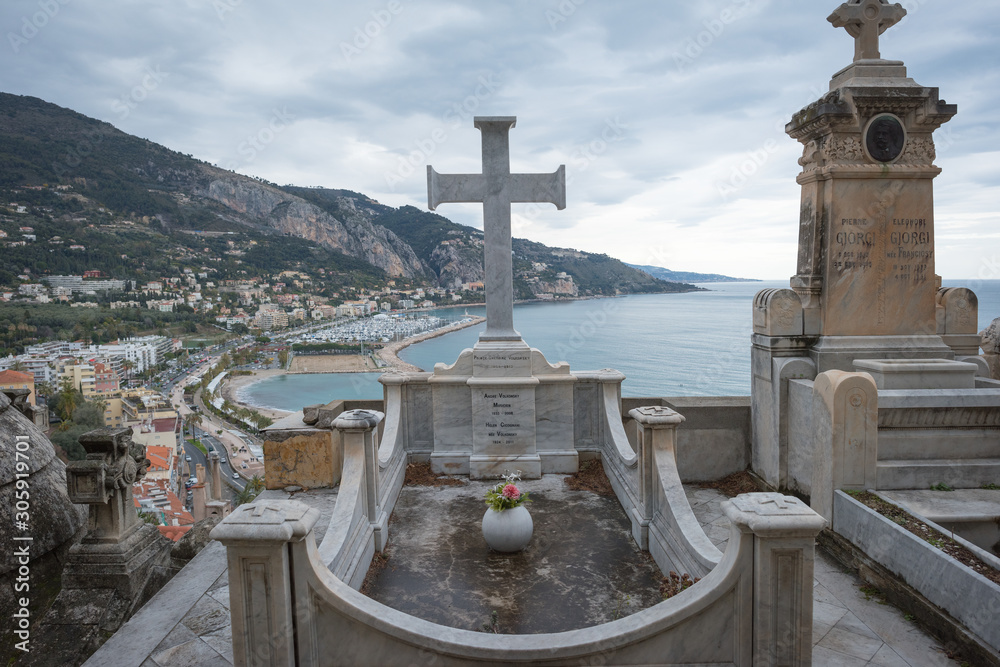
(864,371)
(501,397)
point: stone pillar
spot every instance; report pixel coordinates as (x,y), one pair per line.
(845,440)
(118,548)
(199,495)
(779,353)
(216,475)
(784,534)
(657,431)
(357,428)
(258,539)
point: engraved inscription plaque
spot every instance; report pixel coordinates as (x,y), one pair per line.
(503,420)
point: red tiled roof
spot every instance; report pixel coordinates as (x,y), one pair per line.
(175,533)
(165,425)
(159,457)
(15,377)
(172,511)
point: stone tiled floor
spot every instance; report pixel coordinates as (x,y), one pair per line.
(849,629)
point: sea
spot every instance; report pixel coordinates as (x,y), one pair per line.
(693,344)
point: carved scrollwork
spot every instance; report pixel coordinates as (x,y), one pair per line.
(845,150)
(919,150)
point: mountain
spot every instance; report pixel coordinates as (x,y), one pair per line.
(689,277)
(80,175)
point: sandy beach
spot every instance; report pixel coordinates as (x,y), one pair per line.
(331,363)
(232,384)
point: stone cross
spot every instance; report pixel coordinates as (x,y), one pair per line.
(497,189)
(865,20)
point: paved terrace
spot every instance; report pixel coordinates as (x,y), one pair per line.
(581,569)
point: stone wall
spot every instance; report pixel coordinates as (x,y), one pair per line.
(714,440)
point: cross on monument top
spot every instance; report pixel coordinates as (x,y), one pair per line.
(865,21)
(496,188)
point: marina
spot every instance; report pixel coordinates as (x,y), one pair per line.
(380,328)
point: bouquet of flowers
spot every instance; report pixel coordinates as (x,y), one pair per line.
(505,495)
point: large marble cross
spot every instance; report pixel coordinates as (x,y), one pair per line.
(865,21)
(497,189)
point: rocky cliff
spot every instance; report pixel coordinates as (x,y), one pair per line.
(352,232)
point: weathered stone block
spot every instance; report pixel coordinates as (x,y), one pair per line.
(301,458)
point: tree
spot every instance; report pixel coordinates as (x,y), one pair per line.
(89,416)
(191,420)
(256,484)
(128,365)
(261,421)
(44,389)
(67,401)
(244,496)
(67,438)
(283,358)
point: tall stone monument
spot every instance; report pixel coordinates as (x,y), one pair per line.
(865,295)
(515,398)
(865,271)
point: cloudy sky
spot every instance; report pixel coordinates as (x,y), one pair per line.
(668,115)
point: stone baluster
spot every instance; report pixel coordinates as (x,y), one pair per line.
(657,431)
(259,538)
(357,428)
(784,533)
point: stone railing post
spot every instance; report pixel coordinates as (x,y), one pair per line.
(357,428)
(784,535)
(657,431)
(845,428)
(258,540)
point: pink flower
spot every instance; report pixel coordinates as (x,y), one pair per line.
(510,492)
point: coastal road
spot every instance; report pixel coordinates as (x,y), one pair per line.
(225,469)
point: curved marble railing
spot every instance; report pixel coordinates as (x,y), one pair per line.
(676,538)
(648,486)
(392,457)
(754,608)
(359,524)
(621,463)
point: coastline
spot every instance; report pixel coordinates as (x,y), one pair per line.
(232,386)
(233,383)
(390,353)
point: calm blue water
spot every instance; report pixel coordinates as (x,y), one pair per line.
(695,344)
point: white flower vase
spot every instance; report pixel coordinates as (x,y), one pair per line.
(509,530)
